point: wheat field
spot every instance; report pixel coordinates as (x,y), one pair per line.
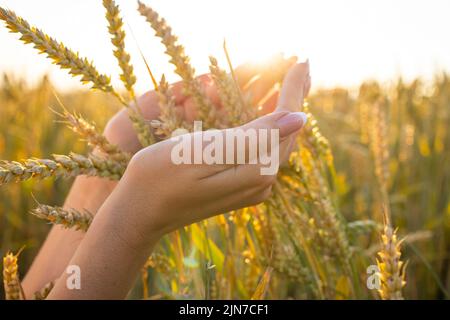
(368,185)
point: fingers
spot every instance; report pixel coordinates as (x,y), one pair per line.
(264,172)
(177,92)
(120,131)
(247,71)
(307,86)
(209,89)
(295,86)
(270,103)
(284,121)
(216,150)
(245,143)
(269,75)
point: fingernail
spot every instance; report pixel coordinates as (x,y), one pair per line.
(291,122)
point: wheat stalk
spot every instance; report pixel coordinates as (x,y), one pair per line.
(58,52)
(181,62)
(61,166)
(379,147)
(263,285)
(11,281)
(391,268)
(68,218)
(44,292)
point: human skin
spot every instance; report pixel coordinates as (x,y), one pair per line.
(134,214)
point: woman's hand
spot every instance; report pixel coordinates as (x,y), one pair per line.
(158,196)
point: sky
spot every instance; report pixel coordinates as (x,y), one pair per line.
(346,41)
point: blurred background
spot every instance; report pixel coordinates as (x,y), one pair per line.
(399,49)
(346,41)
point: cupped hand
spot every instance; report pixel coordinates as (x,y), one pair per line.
(157,195)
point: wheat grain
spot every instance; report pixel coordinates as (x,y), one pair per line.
(68,218)
(11,281)
(182,65)
(62,166)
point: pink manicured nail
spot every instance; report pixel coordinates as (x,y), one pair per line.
(291,122)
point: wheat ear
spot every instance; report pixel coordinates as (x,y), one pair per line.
(95,139)
(68,59)
(11,281)
(170,120)
(115,28)
(68,218)
(62,166)
(141,127)
(128,78)
(181,62)
(58,52)
(228,94)
(391,268)
(44,292)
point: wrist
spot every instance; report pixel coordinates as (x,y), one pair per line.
(134,211)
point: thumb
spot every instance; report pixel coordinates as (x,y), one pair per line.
(286,122)
(295,86)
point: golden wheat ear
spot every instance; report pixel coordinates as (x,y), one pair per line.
(61,166)
(68,218)
(170,120)
(115,28)
(391,268)
(228,93)
(58,52)
(11,281)
(182,65)
(88,132)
